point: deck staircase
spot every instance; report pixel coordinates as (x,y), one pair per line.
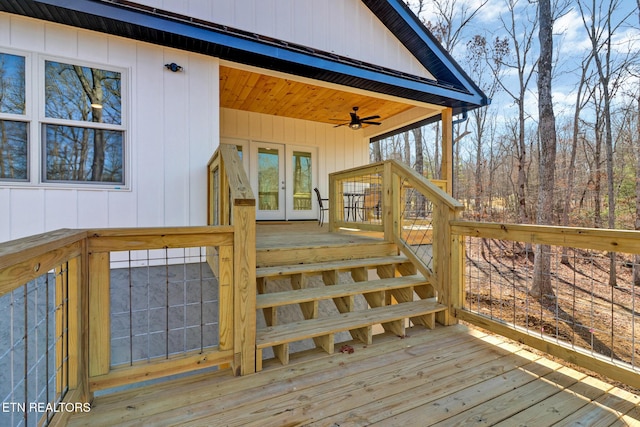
(392,291)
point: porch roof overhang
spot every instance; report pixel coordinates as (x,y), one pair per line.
(127,19)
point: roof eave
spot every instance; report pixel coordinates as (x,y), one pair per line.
(413,34)
(179,33)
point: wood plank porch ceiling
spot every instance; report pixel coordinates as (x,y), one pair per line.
(250,91)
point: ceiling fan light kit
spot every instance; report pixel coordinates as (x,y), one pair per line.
(357,122)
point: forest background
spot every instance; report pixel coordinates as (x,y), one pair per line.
(497,149)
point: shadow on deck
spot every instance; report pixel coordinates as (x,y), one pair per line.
(447,376)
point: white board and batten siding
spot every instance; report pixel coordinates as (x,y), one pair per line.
(173,120)
(344,27)
(172,128)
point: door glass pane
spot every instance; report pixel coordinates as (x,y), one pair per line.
(268,176)
(301,181)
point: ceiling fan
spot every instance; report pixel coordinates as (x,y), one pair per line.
(357,122)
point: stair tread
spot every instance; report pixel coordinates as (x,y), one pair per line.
(275,299)
(285,270)
(296,331)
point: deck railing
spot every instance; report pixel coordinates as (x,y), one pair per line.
(390,198)
(483,271)
(582,318)
(82,311)
(86,310)
(42,316)
(154,307)
(91,309)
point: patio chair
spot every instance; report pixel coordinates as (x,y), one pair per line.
(371,205)
(322,207)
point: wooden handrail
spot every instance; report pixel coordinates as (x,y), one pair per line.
(585,238)
(239,185)
(25,259)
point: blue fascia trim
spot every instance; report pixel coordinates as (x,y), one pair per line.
(434,46)
(141,19)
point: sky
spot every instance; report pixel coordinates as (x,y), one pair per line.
(571,43)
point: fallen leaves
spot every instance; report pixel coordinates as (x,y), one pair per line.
(346,349)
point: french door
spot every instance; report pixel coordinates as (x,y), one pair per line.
(283,177)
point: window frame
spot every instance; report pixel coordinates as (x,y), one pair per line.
(43,121)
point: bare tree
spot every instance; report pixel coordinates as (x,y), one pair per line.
(600,28)
(636,271)
(521,40)
(451,18)
(480,55)
(541,284)
(581,101)
(377,154)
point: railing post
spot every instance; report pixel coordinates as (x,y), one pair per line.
(99,314)
(225,298)
(457,273)
(244,292)
(449,249)
(238,208)
(447,149)
(79,324)
(333,204)
(455,268)
(391,220)
(74,298)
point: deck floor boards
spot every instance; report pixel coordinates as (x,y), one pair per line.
(305,233)
(447,376)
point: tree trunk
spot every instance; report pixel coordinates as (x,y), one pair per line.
(636,270)
(574,148)
(597,182)
(377,154)
(541,285)
(523,216)
(436,154)
(406,157)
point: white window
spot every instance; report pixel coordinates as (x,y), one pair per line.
(80,136)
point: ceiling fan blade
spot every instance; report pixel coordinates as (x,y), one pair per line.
(341,124)
(371,123)
(370,118)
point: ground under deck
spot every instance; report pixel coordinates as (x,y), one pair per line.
(447,376)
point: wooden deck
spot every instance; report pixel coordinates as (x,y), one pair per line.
(447,376)
(306,233)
